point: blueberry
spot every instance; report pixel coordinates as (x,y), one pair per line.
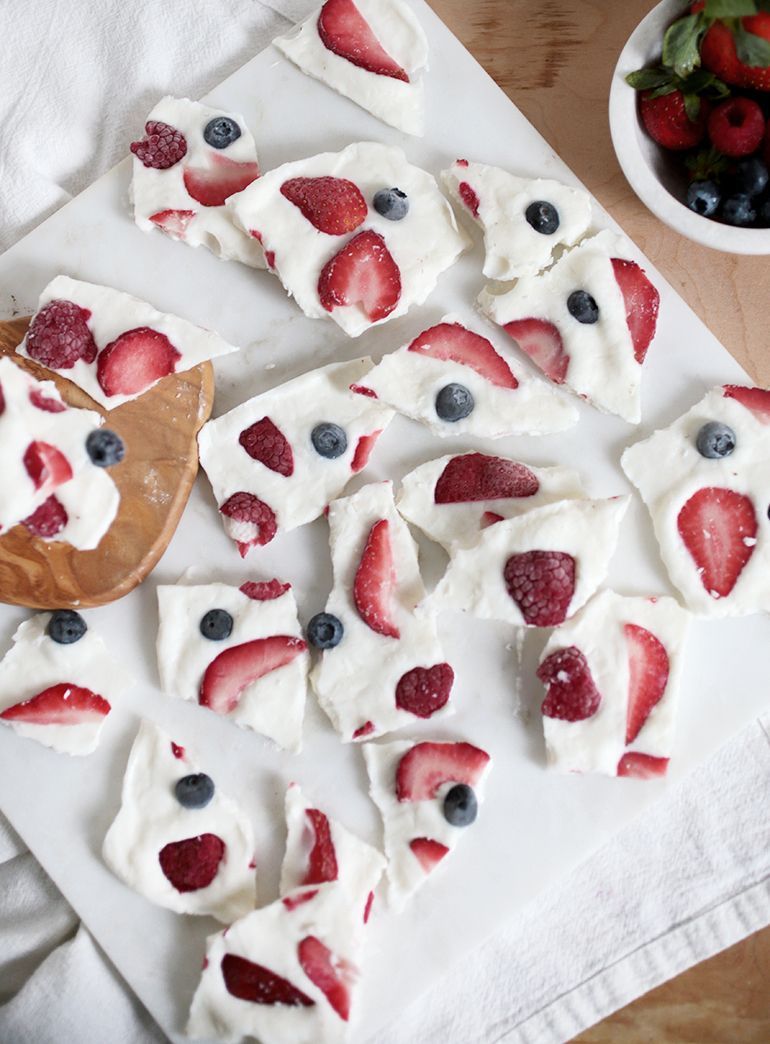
(216,625)
(329,440)
(392,204)
(703,197)
(325,631)
(460,805)
(715,440)
(763,218)
(543,217)
(221,132)
(581,306)
(105,448)
(194,791)
(738,210)
(750,177)
(66,626)
(454,403)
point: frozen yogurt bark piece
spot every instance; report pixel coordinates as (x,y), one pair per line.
(704,480)
(373,51)
(524,220)
(612,680)
(50,481)
(189,161)
(537,569)
(177,840)
(452,499)
(57,682)
(454,381)
(428,794)
(384,668)
(111,344)
(359,235)
(587,322)
(276,461)
(237,651)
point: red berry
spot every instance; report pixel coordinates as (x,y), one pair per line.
(266,443)
(572,693)
(161,147)
(332,205)
(48,520)
(736,127)
(424,690)
(719,54)
(542,584)
(766,146)
(59,336)
(193,863)
(666,121)
(345,32)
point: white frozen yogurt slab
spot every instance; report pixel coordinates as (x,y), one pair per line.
(53,800)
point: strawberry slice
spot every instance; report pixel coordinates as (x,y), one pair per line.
(572,693)
(48,520)
(134,361)
(542,342)
(490,518)
(642,766)
(333,976)
(453,342)
(193,863)
(266,443)
(61,704)
(40,401)
(755,399)
(364,730)
(291,902)
(428,852)
(648,667)
(364,447)
(368,907)
(236,668)
(253,982)
(425,690)
(332,205)
(375,580)
(642,301)
(719,529)
(542,584)
(360,389)
(248,521)
(211,186)
(173,222)
(264,590)
(322,861)
(427,766)
(362,273)
(46,465)
(477,476)
(469,197)
(345,32)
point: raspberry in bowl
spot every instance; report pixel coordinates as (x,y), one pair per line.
(693,138)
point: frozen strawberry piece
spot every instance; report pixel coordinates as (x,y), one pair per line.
(452,341)
(542,583)
(322,861)
(542,342)
(264,442)
(332,205)
(193,863)
(253,982)
(42,402)
(375,580)
(490,518)
(366,729)
(177,751)
(642,766)
(757,400)
(264,590)
(719,529)
(62,704)
(46,466)
(291,902)
(333,976)
(363,273)
(59,335)
(345,32)
(642,301)
(161,147)
(648,666)
(425,690)
(359,389)
(478,476)
(428,766)
(572,693)
(133,362)
(241,666)
(47,520)
(251,513)
(211,186)
(469,198)
(173,222)
(429,853)
(364,447)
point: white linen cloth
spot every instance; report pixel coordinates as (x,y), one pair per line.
(687,879)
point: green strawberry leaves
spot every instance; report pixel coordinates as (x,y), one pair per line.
(707,164)
(660,80)
(681,44)
(752,50)
(729,8)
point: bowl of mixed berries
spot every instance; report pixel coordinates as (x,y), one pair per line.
(690,119)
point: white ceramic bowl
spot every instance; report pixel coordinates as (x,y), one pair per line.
(657,177)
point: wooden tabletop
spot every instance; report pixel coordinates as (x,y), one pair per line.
(560,80)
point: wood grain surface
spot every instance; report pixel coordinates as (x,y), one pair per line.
(159,430)
(555,59)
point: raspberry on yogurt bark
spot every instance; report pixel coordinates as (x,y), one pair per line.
(54,476)
(237,651)
(452,499)
(372,51)
(177,840)
(456,382)
(704,480)
(112,345)
(612,679)
(535,570)
(428,793)
(384,667)
(359,236)
(189,161)
(57,682)
(524,220)
(276,461)
(587,322)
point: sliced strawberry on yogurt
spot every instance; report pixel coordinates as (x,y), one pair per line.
(47,520)
(453,342)
(642,766)
(542,342)
(266,443)
(425,690)
(241,665)
(333,976)
(46,465)
(427,766)
(211,186)
(364,447)
(572,693)
(264,590)
(478,476)
(542,584)
(362,273)
(248,521)
(642,301)
(322,861)
(648,667)
(345,32)
(192,863)
(134,361)
(755,399)
(375,580)
(253,982)
(332,205)
(61,704)
(42,402)
(719,530)
(490,518)
(173,222)
(428,852)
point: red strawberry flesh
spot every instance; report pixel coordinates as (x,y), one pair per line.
(173,222)
(641,766)
(648,668)
(477,476)
(428,852)
(46,465)
(322,861)
(134,361)
(362,273)
(542,584)
(719,529)
(40,401)
(454,343)
(542,342)
(161,147)
(364,447)
(211,186)
(572,693)
(234,669)
(266,443)
(345,32)
(425,690)
(193,863)
(47,520)
(332,976)
(427,766)
(59,336)
(642,301)
(61,704)
(375,580)
(264,590)
(332,205)
(469,197)
(253,982)
(757,400)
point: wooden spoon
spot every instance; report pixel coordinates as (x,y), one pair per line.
(160,431)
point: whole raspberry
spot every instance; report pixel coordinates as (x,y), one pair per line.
(161,147)
(264,442)
(572,693)
(542,584)
(424,690)
(736,127)
(59,336)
